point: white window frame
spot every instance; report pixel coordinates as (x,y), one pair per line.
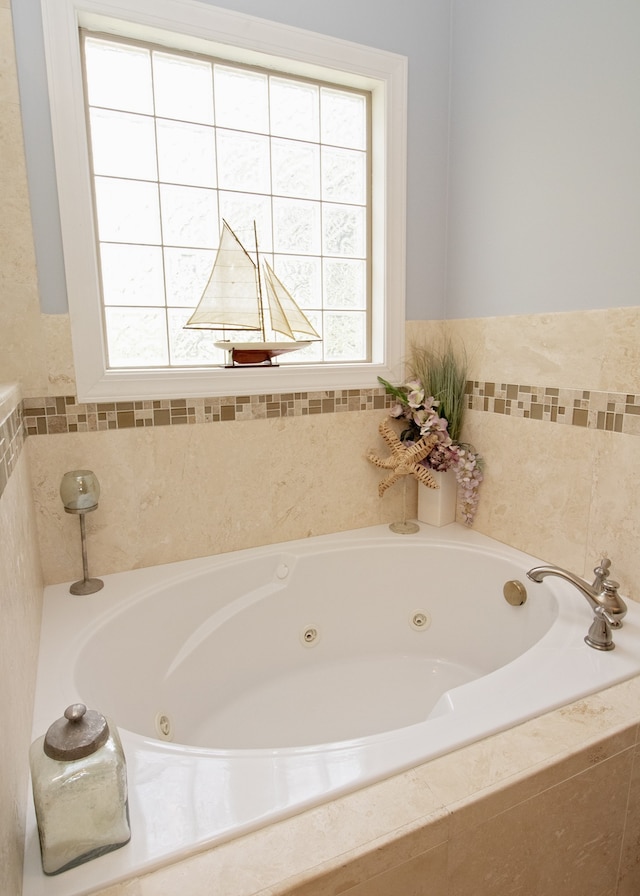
(186,24)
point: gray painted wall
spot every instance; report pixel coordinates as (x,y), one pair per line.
(544,211)
(526,198)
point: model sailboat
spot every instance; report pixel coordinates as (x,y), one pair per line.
(239,295)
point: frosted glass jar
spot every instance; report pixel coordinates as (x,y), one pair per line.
(79,780)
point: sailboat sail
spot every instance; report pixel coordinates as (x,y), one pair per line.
(230,296)
(286,317)
(233,299)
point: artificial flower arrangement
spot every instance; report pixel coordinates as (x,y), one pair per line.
(433,402)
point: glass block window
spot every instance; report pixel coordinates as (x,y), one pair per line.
(180,142)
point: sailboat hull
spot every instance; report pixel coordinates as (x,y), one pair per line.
(244,353)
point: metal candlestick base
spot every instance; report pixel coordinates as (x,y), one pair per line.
(85,585)
(406,527)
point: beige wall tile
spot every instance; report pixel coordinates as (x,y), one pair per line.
(8,74)
(177,492)
(621,358)
(21,603)
(536,491)
(614,522)
(426,875)
(565,841)
(60,370)
(629,877)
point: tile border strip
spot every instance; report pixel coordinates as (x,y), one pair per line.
(63,414)
(12,435)
(605,411)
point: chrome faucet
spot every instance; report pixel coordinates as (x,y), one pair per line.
(603,598)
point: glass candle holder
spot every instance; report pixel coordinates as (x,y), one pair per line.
(80,491)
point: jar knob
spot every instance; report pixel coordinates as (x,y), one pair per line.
(75,712)
(80,733)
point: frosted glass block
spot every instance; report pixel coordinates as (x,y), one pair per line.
(343,230)
(131,275)
(128,211)
(183,88)
(186,153)
(189,216)
(123,145)
(302,278)
(345,336)
(296,226)
(136,337)
(344,118)
(243,162)
(118,76)
(240,210)
(295,169)
(191,348)
(344,175)
(294,109)
(186,274)
(345,284)
(242,99)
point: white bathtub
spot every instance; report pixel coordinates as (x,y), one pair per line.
(291,674)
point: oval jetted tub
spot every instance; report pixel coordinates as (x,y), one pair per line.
(250,685)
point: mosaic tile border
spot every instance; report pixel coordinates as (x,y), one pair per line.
(46,416)
(12,435)
(608,411)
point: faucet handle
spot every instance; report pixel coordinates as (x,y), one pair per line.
(611,601)
(599,635)
(601,573)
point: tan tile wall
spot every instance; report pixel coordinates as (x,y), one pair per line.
(20,577)
(555,412)
(20,603)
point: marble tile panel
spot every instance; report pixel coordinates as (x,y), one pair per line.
(536,491)
(426,875)
(565,349)
(57,340)
(8,75)
(614,528)
(176,492)
(621,358)
(492,775)
(21,602)
(566,840)
(629,873)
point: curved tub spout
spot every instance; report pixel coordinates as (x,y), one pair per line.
(605,596)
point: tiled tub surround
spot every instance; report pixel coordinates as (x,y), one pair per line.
(266,442)
(551,806)
(20,600)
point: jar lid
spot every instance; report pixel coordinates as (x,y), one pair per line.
(80,733)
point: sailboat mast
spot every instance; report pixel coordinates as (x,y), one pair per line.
(260,301)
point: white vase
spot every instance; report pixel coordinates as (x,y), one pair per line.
(437,506)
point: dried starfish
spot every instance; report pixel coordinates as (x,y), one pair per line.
(404,459)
